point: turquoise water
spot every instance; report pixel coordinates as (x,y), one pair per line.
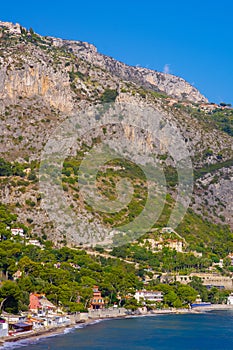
(167,332)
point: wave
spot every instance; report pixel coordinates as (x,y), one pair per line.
(19,344)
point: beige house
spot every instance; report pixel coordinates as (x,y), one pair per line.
(208,279)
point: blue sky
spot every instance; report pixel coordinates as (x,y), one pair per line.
(191,39)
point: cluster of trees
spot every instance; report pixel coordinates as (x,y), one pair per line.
(179,295)
(166,260)
(68,275)
(169,261)
(224,119)
(213,295)
(18,169)
(212,240)
(64,275)
(9,169)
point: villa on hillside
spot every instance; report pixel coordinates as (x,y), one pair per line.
(97,302)
(175,244)
(208,279)
(166,237)
(149,295)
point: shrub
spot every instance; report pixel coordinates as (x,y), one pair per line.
(109,96)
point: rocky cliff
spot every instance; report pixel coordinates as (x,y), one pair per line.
(166,83)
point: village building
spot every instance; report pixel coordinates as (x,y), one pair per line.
(230,299)
(219,264)
(40,305)
(22,327)
(199,303)
(148,295)
(97,302)
(37,323)
(17,231)
(3,328)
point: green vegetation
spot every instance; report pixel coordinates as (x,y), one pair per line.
(9,169)
(210,168)
(109,96)
(65,274)
(203,236)
(221,119)
(74,75)
(206,237)
(224,120)
(164,261)
(18,169)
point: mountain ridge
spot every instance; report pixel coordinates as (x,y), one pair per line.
(43,81)
(170,84)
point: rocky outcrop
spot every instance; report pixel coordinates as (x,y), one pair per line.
(11,28)
(214,195)
(166,83)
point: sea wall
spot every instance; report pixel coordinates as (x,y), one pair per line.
(107,313)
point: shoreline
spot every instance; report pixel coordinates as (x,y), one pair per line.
(36,335)
(47,332)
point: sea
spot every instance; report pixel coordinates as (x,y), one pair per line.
(212,330)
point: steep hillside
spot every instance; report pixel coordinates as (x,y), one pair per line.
(44,80)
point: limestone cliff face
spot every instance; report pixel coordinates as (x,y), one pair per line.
(25,70)
(36,80)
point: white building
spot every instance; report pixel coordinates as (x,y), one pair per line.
(34,242)
(148,295)
(3,329)
(17,231)
(230,299)
(220,263)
